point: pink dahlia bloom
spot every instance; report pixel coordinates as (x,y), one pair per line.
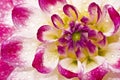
(59,40)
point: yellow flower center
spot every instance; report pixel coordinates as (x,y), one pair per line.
(76,36)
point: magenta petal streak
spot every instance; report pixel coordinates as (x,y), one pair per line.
(38,62)
(20,15)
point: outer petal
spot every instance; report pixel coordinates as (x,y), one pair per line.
(10,49)
(18,52)
(46,58)
(95,11)
(70,68)
(5,70)
(46,4)
(112,55)
(47,33)
(20,15)
(28,17)
(96,74)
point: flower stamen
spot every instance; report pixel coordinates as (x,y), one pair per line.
(76,36)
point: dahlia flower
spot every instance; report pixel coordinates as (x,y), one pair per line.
(59,40)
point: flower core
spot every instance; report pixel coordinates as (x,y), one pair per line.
(76,36)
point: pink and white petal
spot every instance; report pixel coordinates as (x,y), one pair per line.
(47,33)
(70,11)
(105,25)
(70,68)
(28,51)
(111,23)
(95,12)
(10,49)
(57,21)
(19,15)
(115,17)
(51,5)
(5,70)
(91,64)
(112,56)
(46,58)
(5,31)
(18,52)
(32,25)
(27,15)
(96,74)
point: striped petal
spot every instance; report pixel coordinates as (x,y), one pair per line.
(70,11)
(47,33)
(46,58)
(95,11)
(57,21)
(70,68)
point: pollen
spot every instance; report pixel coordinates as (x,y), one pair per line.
(76,36)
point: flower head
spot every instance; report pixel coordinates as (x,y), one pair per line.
(65,42)
(77,41)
